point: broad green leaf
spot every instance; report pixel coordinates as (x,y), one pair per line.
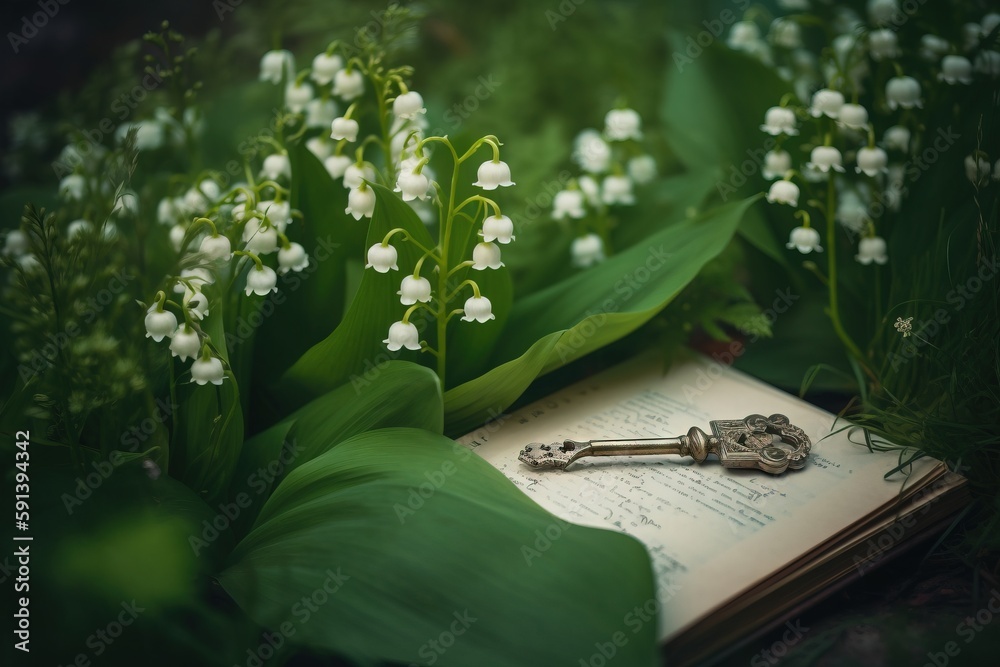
(355,347)
(398,393)
(398,537)
(314,298)
(570,319)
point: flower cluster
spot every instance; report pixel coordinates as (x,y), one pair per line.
(612,163)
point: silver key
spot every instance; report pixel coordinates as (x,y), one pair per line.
(771,444)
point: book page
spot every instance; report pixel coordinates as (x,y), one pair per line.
(710,531)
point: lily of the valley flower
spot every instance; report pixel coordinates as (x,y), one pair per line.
(956,69)
(498,228)
(883,11)
(355,175)
(591,152)
(319,147)
(776,164)
(176,235)
(320,113)
(344,128)
(479,309)
(779,120)
(872,161)
(617,190)
(413,289)
(72,187)
(278,213)
(408,105)
(261,280)
(361,202)
(744,36)
(853,116)
(297,96)
(826,102)
(78,228)
(160,323)
(486,256)
(883,44)
(826,158)
(382,258)
(783,192)
(642,169)
(402,334)
(804,239)
(324,67)
(493,174)
(623,124)
(292,258)
(568,203)
(977,169)
(988,62)
(785,33)
(587,250)
(277,166)
(897,138)
(336,165)
(871,249)
(933,47)
(275,64)
(903,91)
(348,84)
(16,243)
(259,238)
(412,185)
(208,369)
(196,304)
(185,344)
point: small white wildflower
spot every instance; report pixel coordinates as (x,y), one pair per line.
(292,258)
(344,129)
(498,228)
(568,203)
(903,91)
(324,67)
(783,192)
(642,169)
(804,239)
(408,105)
(382,258)
(361,202)
(277,166)
(617,190)
(336,165)
(160,323)
(258,238)
(872,161)
(493,174)
(402,334)
(413,289)
(779,120)
(776,164)
(826,102)
(853,116)
(185,344)
(871,249)
(897,138)
(297,96)
(348,84)
(261,280)
(587,250)
(826,158)
(623,124)
(207,369)
(883,44)
(955,69)
(276,64)
(486,256)
(479,309)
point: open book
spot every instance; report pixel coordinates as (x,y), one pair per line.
(735,552)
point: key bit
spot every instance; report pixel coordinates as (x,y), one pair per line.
(751,442)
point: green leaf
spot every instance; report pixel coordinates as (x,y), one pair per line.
(355,347)
(371,401)
(593,308)
(393,535)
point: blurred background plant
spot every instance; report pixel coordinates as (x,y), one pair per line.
(123,167)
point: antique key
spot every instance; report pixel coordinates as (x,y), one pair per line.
(738,443)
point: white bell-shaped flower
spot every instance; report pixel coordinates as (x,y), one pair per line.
(785,33)
(344,128)
(804,239)
(988,62)
(127,204)
(382,258)
(591,152)
(776,164)
(903,91)
(160,324)
(78,228)
(744,36)
(413,289)
(276,64)
(198,198)
(493,175)
(897,138)
(348,84)
(278,213)
(72,187)
(883,44)
(989,23)
(590,189)
(872,161)
(779,120)
(853,116)
(402,334)
(196,304)
(587,250)
(642,169)
(623,124)
(411,185)
(355,175)
(486,256)
(292,258)
(498,228)
(872,249)
(617,190)
(336,165)
(956,69)
(933,47)
(361,202)
(208,369)
(783,192)
(186,343)
(324,67)
(277,166)
(568,203)
(826,102)
(408,105)
(977,169)
(479,309)
(177,234)
(16,243)
(297,96)
(826,158)
(883,11)
(166,211)
(321,147)
(851,211)
(320,112)
(261,280)
(259,238)
(198,276)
